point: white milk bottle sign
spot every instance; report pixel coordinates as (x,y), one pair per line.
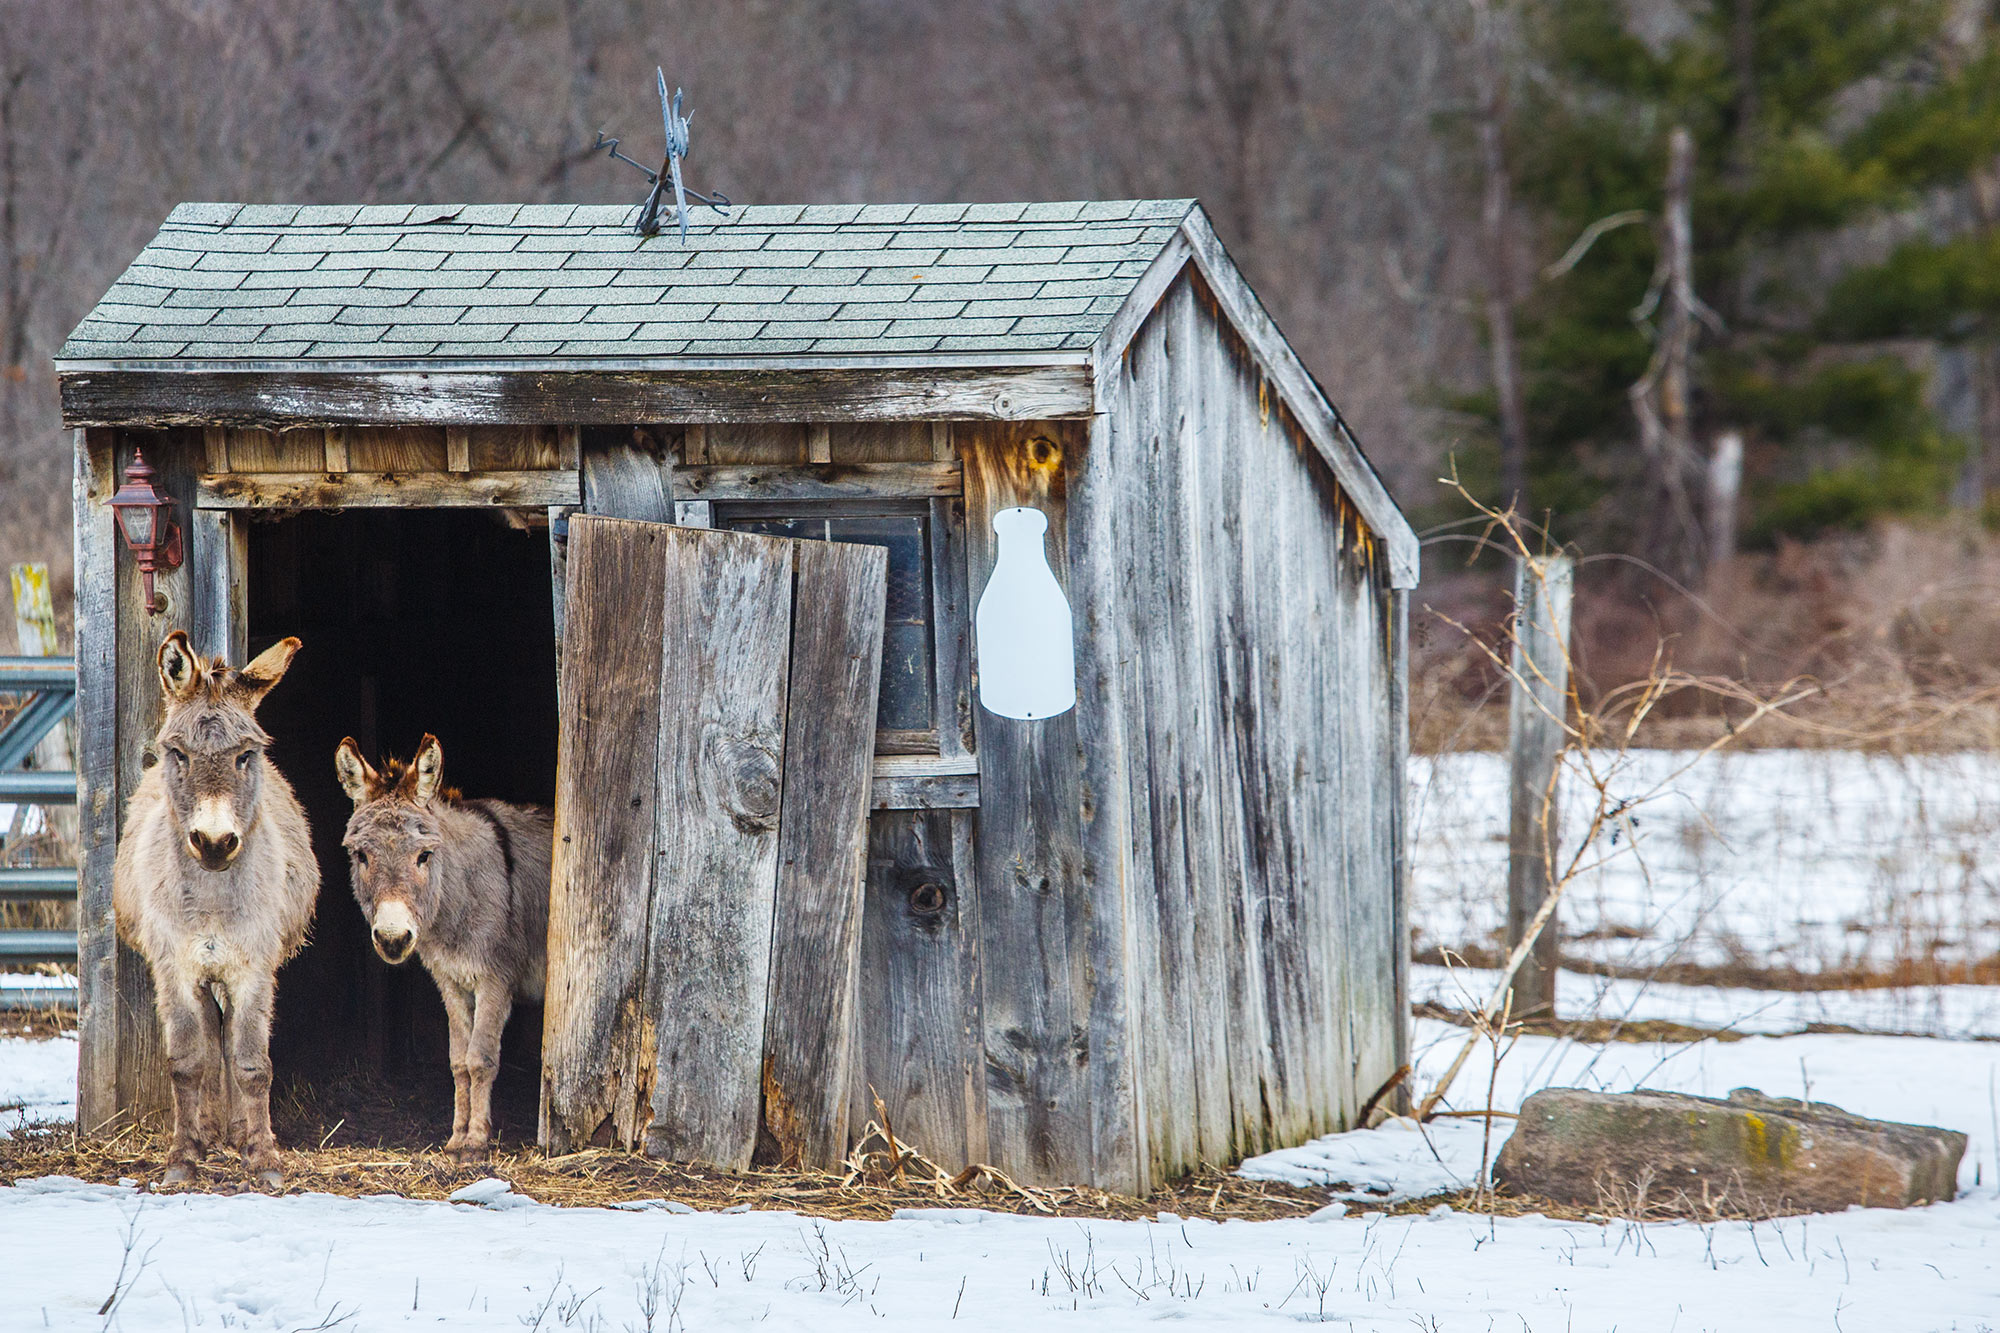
(1027,658)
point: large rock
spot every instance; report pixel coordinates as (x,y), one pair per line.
(1750,1154)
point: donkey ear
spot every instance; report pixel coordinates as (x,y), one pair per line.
(181,667)
(360,781)
(266,669)
(425,772)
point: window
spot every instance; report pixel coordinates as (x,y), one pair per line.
(906,716)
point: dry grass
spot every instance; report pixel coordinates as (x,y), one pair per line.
(600,1177)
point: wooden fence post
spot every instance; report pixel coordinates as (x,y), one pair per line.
(1535,713)
(35,631)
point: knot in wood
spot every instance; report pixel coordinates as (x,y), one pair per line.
(743,779)
(927,899)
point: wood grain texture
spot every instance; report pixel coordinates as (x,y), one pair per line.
(817,481)
(400,448)
(919,1044)
(770,442)
(516,449)
(623,480)
(1097,569)
(1033,907)
(1298,390)
(250,450)
(951,628)
(360,489)
(944,792)
(722,751)
(457,449)
(879,441)
(1397,832)
(836,670)
(336,451)
(1234,674)
(543,396)
(99,808)
(599,1039)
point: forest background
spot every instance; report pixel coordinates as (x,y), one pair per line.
(1709,292)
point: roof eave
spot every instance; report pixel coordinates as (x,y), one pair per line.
(1196,243)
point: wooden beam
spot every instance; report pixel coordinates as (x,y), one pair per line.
(953,791)
(457,449)
(817,481)
(98,805)
(302,396)
(381,490)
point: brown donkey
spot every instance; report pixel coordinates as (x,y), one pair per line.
(215,884)
(464,884)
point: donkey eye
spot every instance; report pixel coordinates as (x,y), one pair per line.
(243,760)
(176,755)
(361,858)
(424,857)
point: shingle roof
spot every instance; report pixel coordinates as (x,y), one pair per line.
(484,281)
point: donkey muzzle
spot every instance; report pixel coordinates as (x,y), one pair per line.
(214,850)
(393,933)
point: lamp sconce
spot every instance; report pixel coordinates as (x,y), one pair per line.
(145,521)
(1027,652)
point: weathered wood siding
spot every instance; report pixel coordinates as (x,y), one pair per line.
(1238,645)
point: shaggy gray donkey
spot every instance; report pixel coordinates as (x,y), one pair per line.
(214,885)
(465,885)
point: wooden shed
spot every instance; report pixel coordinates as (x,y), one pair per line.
(1163,928)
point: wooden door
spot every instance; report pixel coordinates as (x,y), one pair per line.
(717,700)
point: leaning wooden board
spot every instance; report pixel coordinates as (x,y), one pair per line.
(713,787)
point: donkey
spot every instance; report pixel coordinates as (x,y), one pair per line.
(214,885)
(464,884)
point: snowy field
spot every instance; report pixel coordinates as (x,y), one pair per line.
(316,1261)
(1809,860)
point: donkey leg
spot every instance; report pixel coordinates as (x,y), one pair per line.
(458,1015)
(189,1055)
(491,1005)
(247,1028)
(214,1124)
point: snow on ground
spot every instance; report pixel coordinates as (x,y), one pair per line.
(37,1081)
(1806,859)
(306,1261)
(1922,1080)
(1925,1011)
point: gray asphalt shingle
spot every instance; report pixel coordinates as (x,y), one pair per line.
(557,280)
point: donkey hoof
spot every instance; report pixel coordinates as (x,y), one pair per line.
(271,1178)
(468,1153)
(180,1173)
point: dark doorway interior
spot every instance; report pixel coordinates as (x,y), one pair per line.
(413,620)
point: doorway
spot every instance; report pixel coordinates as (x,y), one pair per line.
(413,621)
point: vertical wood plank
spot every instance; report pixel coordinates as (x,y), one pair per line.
(336,449)
(942,449)
(218,555)
(397,448)
(177,457)
(622,480)
(598,1035)
(694,443)
(951,628)
(918,1034)
(836,671)
(694,514)
(819,443)
(457,449)
(1033,906)
(1093,487)
(721,761)
(215,448)
(569,447)
(98,803)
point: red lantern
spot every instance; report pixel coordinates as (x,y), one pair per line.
(145,521)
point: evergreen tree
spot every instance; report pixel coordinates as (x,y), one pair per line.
(1805,117)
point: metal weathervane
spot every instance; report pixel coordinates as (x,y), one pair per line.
(669,174)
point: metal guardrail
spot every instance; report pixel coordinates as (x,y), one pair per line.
(50,684)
